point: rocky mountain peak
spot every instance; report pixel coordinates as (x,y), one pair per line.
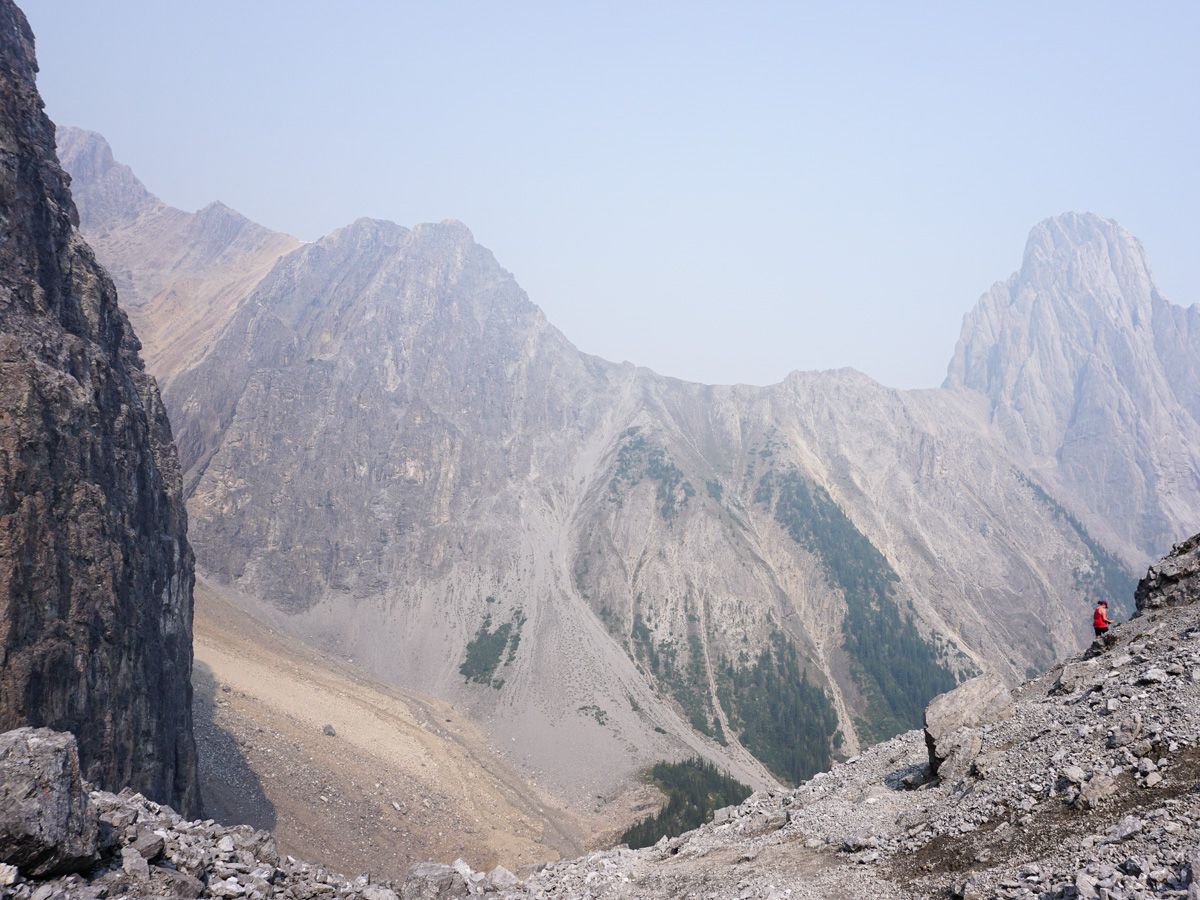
(1088,369)
(1092,261)
(107,191)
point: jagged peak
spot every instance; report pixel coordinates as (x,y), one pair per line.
(363,229)
(1063,239)
(105,190)
(84,145)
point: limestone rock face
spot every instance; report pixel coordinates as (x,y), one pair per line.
(95,569)
(1174,580)
(1095,377)
(47,823)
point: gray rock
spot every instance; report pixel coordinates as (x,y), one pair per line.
(1173,580)
(47,822)
(1126,828)
(1095,790)
(433,881)
(134,864)
(1074,774)
(149,845)
(500,878)
(950,720)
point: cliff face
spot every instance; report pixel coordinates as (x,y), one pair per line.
(1093,376)
(95,570)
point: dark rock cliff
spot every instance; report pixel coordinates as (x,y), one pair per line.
(95,569)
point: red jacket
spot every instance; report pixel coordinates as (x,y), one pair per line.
(1100,617)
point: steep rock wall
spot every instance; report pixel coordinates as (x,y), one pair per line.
(95,569)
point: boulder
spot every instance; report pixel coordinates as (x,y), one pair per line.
(1078,675)
(48,825)
(952,720)
(433,881)
(1172,581)
(1094,791)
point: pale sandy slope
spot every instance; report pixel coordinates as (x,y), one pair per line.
(404,779)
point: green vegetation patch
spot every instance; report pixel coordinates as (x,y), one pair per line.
(695,789)
(1108,579)
(898,671)
(637,458)
(687,685)
(489,649)
(595,712)
(787,723)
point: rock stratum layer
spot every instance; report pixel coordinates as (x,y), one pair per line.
(388,450)
(95,568)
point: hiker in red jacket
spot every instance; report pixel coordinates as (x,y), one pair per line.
(1100,620)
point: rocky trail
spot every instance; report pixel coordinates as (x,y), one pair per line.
(1084,782)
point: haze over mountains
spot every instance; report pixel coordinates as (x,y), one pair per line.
(387,449)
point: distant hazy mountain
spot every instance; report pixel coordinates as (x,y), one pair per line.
(388,449)
(1095,378)
(180,275)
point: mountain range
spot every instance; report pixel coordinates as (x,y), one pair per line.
(388,451)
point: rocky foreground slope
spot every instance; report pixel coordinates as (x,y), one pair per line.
(95,568)
(1083,783)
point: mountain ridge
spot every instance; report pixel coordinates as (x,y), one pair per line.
(392,453)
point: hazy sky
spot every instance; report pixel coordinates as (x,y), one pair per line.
(722,192)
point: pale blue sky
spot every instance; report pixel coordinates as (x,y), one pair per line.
(722,192)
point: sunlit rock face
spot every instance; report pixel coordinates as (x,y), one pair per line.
(95,569)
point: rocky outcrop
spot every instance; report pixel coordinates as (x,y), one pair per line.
(1173,580)
(95,568)
(952,723)
(47,823)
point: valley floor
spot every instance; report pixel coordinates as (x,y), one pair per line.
(402,779)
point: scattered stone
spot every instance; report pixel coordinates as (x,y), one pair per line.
(328,730)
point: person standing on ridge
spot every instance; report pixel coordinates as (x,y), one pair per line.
(1100,620)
